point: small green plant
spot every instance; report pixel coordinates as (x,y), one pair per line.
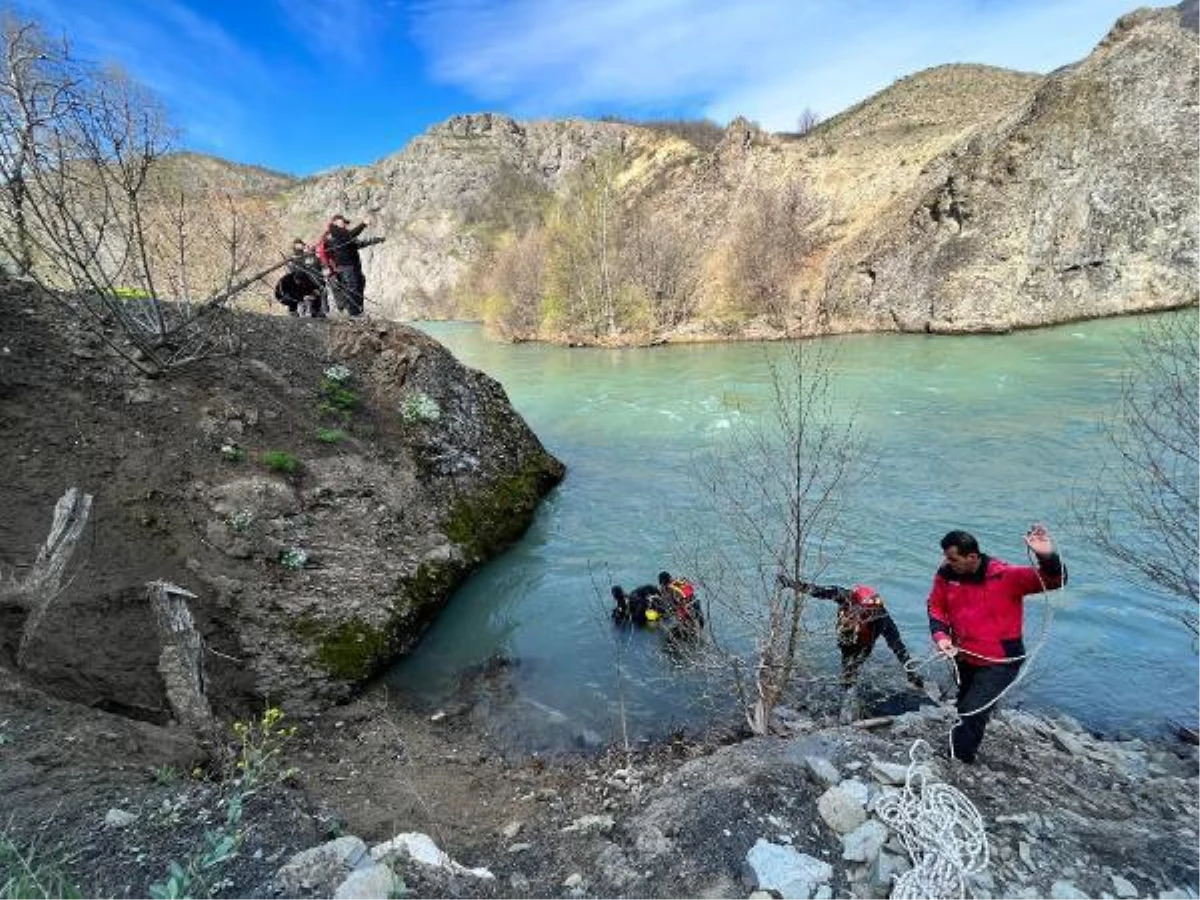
(331,435)
(293,559)
(28,871)
(419,407)
(256,766)
(280,461)
(132,293)
(240,521)
(337,398)
(232,452)
(166,775)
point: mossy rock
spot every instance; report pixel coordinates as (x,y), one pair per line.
(354,650)
(492,518)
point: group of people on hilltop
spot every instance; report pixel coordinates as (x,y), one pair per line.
(976,620)
(330,270)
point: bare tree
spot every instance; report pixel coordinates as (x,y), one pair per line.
(776,493)
(584,237)
(83,212)
(774,233)
(662,265)
(807,121)
(1143,513)
(513,307)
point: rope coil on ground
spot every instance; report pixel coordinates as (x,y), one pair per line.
(940,828)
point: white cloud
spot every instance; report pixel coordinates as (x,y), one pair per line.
(345,32)
(765,59)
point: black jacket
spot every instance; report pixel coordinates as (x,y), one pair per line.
(295,286)
(341,246)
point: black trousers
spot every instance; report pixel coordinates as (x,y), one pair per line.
(978,686)
(348,287)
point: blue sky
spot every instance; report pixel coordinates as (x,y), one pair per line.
(302,86)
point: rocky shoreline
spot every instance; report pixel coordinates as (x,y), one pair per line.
(381,796)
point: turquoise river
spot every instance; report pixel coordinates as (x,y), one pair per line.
(985,433)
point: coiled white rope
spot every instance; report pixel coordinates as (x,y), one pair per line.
(940,828)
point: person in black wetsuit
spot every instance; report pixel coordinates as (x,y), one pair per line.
(641,606)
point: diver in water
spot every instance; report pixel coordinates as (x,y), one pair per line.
(641,606)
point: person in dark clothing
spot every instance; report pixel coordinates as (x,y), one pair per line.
(641,606)
(300,288)
(861,619)
(307,282)
(339,253)
(976,617)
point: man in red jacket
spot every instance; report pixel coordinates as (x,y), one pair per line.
(976,614)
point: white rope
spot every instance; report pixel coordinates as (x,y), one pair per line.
(940,828)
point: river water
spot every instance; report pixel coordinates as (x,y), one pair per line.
(985,433)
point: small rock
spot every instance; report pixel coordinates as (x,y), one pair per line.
(824,771)
(1065,890)
(864,842)
(1124,887)
(889,773)
(378,881)
(602,824)
(511,830)
(573,880)
(119,818)
(786,870)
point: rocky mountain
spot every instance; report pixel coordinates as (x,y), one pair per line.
(962,198)
(1081,201)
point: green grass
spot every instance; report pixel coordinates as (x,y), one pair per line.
(280,461)
(29,871)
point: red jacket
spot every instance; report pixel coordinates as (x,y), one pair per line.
(983,612)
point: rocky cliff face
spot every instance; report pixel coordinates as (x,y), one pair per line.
(320,521)
(1082,202)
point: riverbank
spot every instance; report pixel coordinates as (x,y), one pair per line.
(111,802)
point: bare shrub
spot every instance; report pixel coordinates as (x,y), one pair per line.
(1143,512)
(775,495)
(515,288)
(807,121)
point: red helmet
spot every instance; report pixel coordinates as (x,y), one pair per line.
(866,595)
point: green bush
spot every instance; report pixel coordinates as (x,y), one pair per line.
(331,435)
(280,461)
